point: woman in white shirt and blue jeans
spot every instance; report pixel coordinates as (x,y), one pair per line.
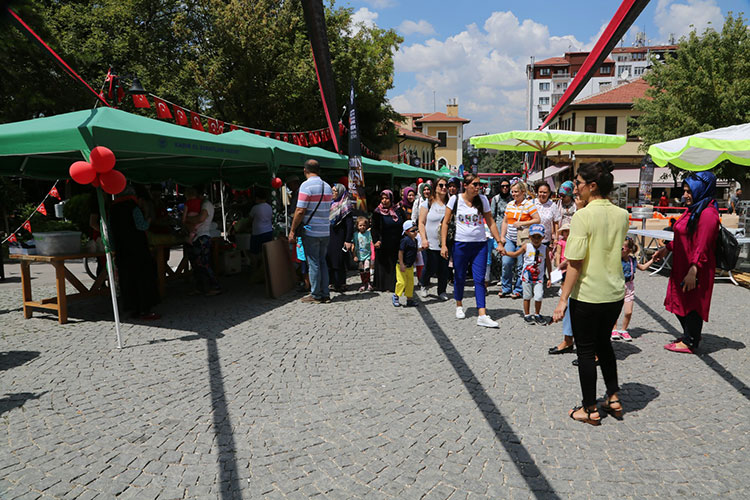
(472,212)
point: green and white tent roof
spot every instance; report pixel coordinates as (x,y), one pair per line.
(705,150)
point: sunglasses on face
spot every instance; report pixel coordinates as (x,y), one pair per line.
(441,185)
(578,183)
(476,183)
(504,186)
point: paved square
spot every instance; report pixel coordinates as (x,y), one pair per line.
(239,396)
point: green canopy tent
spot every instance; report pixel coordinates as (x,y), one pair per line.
(147,150)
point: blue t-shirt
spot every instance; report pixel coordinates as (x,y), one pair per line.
(309,193)
(409,247)
(628,268)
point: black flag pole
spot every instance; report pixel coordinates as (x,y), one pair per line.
(316,29)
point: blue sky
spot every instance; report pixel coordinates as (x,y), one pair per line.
(477,51)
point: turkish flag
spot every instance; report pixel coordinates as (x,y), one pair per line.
(162,110)
(12,238)
(295,139)
(41,209)
(286,137)
(233,127)
(278,136)
(195,121)
(27,226)
(180,116)
(268,134)
(53,192)
(140,101)
(215,126)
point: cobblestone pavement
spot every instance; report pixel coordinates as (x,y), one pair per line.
(239,396)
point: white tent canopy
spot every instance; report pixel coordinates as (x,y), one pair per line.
(705,150)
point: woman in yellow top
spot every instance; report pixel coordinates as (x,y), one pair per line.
(595,286)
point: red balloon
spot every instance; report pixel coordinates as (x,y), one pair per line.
(420,181)
(113,182)
(82,172)
(96,182)
(276,183)
(102,159)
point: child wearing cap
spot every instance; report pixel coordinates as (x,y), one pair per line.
(407,255)
(536,267)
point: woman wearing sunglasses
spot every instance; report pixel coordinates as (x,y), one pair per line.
(472,211)
(431,214)
(595,285)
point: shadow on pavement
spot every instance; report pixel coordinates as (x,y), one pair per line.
(711,344)
(523,461)
(624,349)
(11,359)
(636,397)
(13,401)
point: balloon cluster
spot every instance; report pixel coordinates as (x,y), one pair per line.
(276,183)
(99,171)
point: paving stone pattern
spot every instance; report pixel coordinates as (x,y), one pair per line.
(240,396)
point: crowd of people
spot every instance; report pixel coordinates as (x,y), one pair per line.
(525,239)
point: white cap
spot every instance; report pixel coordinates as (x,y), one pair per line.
(407,225)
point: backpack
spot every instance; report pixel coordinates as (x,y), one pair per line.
(727,250)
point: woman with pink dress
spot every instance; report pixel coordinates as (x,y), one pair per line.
(693,260)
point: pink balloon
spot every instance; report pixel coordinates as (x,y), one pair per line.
(113,182)
(82,172)
(102,159)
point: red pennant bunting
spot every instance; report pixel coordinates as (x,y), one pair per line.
(195,121)
(286,137)
(213,126)
(303,140)
(120,93)
(41,209)
(140,101)
(295,139)
(162,110)
(278,136)
(53,192)
(27,226)
(180,116)
(268,134)
(12,238)
(233,127)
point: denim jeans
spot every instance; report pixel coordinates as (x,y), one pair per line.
(315,253)
(567,327)
(511,278)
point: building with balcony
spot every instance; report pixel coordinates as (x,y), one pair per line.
(435,139)
(549,78)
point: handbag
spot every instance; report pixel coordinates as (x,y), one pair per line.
(522,236)
(727,249)
(451,238)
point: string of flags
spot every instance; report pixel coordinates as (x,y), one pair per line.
(26,225)
(167,110)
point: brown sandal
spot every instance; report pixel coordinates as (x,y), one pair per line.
(615,412)
(589,419)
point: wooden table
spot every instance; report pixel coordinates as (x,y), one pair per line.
(164,271)
(62,273)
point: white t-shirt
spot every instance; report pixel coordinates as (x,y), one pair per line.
(204,228)
(262,215)
(469,220)
(432,223)
(534,260)
(549,214)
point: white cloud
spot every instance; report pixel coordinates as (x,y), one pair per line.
(421,27)
(680,18)
(363,17)
(484,66)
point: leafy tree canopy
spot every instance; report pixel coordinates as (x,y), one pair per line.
(242,61)
(704,86)
(495,161)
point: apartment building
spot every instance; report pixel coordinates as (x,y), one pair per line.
(549,78)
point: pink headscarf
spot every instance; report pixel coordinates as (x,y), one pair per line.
(390,210)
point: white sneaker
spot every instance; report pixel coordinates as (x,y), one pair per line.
(423,292)
(460,314)
(443,296)
(487,321)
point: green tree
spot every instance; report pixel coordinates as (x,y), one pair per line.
(705,85)
(496,161)
(242,61)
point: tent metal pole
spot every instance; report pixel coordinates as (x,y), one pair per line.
(110,265)
(221,194)
(286,210)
